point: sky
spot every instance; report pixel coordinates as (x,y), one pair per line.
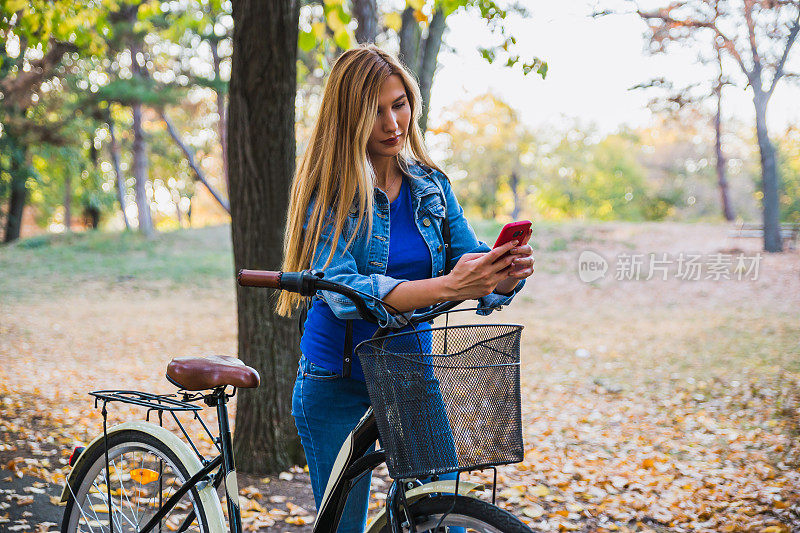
(592,64)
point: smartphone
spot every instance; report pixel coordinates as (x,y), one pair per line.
(520,231)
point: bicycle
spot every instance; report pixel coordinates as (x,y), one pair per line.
(186,496)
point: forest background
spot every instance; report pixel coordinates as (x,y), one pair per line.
(93,110)
(648,404)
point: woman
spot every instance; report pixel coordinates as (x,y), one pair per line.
(367,206)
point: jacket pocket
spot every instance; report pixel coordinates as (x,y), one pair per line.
(434,209)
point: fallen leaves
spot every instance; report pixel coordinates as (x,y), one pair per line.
(682,449)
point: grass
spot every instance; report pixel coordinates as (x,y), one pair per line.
(53,263)
(678,334)
(48,264)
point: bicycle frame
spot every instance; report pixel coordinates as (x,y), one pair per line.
(352,462)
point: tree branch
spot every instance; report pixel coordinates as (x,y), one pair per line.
(728,44)
(789,42)
(18,90)
(751,32)
(190,158)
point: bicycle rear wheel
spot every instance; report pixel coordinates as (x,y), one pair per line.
(476,516)
(144,473)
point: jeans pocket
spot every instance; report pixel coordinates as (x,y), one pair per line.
(314,371)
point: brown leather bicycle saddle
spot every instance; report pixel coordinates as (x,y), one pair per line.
(201,373)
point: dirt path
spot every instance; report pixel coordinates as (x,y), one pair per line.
(667,404)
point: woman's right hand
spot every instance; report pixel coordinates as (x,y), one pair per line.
(477,274)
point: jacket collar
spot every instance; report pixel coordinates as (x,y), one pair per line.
(421,181)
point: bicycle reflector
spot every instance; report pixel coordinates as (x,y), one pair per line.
(75,454)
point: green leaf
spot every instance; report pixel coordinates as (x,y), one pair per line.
(343,15)
(12,6)
(334,19)
(318,28)
(449,6)
(306,40)
(342,39)
(393,20)
(538,64)
(487,54)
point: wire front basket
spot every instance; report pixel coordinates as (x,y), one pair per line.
(446,399)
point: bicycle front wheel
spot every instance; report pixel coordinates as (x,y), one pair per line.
(143,474)
(476,516)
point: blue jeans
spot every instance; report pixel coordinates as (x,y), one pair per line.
(326,408)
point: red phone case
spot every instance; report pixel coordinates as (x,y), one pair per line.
(520,230)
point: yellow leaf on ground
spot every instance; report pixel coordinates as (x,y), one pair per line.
(298,520)
(533,511)
(540,490)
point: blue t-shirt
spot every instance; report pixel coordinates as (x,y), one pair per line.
(409,259)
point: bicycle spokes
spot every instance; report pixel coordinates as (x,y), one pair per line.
(140,481)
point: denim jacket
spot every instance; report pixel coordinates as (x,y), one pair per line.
(362,266)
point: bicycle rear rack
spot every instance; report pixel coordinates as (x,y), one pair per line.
(162,403)
(159,403)
(153,402)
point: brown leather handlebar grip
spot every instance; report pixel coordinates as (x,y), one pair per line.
(259,278)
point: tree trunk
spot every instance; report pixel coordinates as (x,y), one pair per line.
(727,208)
(120,181)
(261,165)
(16,203)
(366,13)
(429,59)
(514,183)
(176,197)
(222,111)
(92,215)
(67,201)
(140,172)
(410,35)
(769,176)
(140,169)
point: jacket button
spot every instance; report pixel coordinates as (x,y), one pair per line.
(440,272)
(426,222)
(384,216)
(439,248)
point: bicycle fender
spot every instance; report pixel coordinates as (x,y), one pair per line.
(208,496)
(447,486)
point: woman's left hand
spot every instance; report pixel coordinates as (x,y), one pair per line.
(522,267)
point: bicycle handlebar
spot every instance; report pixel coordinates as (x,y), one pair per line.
(308,282)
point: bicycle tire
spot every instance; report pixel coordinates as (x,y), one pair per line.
(92,470)
(471,513)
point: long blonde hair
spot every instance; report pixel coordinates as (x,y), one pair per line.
(335,168)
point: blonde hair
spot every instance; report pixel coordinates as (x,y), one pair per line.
(335,168)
